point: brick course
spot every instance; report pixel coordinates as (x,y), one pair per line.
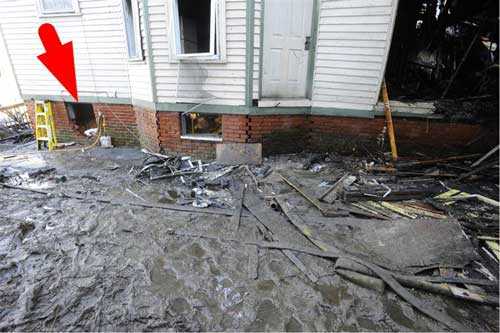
(169,129)
(147,127)
(131,125)
(120,123)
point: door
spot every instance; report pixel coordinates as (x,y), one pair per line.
(287,25)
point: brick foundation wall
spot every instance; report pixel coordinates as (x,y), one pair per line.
(133,125)
(148,128)
(344,134)
(169,129)
(280,134)
(120,123)
(235,128)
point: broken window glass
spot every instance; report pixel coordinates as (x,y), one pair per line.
(194,27)
(57,6)
(202,125)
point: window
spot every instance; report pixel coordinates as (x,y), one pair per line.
(201,126)
(48,7)
(196,28)
(132,29)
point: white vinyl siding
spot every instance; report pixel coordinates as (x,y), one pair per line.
(217,82)
(353,43)
(100,50)
(140,79)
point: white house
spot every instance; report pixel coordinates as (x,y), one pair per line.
(194,72)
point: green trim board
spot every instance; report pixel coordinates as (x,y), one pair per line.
(143,104)
(210,108)
(250,31)
(256,111)
(234,109)
(312,50)
(81,99)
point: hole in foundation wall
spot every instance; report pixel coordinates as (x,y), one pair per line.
(201,125)
(81,116)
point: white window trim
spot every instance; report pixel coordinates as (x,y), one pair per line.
(201,137)
(136,17)
(217,26)
(62,12)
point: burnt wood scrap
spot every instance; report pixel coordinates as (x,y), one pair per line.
(15,126)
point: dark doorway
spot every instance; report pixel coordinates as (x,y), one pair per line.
(81,116)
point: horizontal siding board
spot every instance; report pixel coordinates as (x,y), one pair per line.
(355,4)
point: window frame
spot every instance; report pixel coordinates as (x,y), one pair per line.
(217,52)
(199,136)
(59,12)
(136,23)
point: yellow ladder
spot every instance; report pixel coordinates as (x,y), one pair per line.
(45,130)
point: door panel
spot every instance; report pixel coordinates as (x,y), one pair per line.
(287,23)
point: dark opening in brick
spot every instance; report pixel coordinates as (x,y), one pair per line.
(202,125)
(81,115)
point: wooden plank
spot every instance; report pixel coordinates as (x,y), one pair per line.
(334,188)
(296,221)
(236,218)
(296,261)
(491,152)
(260,213)
(253,261)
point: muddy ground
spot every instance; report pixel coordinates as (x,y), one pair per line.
(68,264)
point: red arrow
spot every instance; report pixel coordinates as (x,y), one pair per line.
(58,58)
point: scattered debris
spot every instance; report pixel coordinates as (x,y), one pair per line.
(285,219)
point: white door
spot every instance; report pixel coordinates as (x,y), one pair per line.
(287,24)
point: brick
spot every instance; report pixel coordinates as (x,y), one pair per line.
(130,125)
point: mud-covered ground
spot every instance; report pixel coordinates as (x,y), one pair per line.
(69,264)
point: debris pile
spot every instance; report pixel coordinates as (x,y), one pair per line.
(425,230)
(14,125)
(394,192)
